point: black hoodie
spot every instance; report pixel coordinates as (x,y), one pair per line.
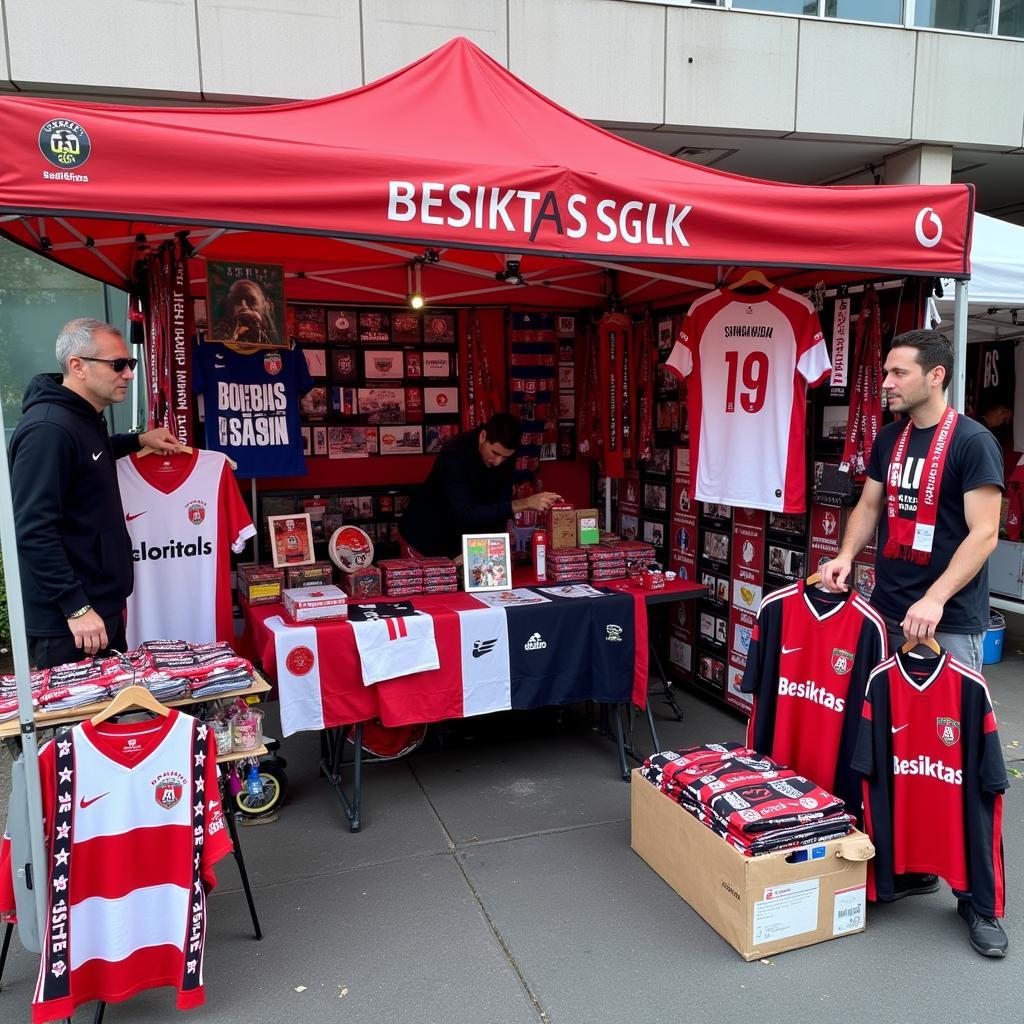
(73,543)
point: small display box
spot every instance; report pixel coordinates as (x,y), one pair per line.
(314,604)
(317,574)
(260,584)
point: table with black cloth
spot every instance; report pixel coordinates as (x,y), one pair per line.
(596,649)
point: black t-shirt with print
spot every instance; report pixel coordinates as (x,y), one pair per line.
(974,460)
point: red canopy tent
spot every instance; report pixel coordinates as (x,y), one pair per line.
(453,153)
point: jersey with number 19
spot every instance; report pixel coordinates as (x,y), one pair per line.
(749,360)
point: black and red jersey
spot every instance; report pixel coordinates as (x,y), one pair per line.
(934,778)
(808,664)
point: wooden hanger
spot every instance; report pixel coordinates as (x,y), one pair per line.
(929,641)
(133,696)
(182,450)
(813,580)
(752,277)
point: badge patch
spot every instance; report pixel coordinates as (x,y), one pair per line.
(842,661)
(300,661)
(272,363)
(948,730)
(196,512)
(168,787)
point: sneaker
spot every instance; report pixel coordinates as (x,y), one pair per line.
(914,884)
(987,935)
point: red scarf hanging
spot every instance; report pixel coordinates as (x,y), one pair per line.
(912,539)
(645,358)
(613,344)
(865,415)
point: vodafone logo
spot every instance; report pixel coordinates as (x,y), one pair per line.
(931,238)
(300,661)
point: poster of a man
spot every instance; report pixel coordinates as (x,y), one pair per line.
(247,303)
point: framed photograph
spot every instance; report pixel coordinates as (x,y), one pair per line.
(567,326)
(486,562)
(438,435)
(291,540)
(405,328)
(246,303)
(567,352)
(567,378)
(414,364)
(350,442)
(383,364)
(401,440)
(313,404)
(656,497)
(567,405)
(344,368)
(341,325)
(316,360)
(439,329)
(437,364)
(309,324)
(414,402)
(375,328)
(665,338)
(307,440)
(382,405)
(344,401)
(660,461)
(441,400)
(319,440)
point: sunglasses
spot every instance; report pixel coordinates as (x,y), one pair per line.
(117,365)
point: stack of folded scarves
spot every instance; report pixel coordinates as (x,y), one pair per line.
(755,804)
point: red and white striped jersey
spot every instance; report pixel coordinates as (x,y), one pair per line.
(134,827)
(749,359)
(184,515)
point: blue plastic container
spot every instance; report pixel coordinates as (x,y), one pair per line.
(992,648)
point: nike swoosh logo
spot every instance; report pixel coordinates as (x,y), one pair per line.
(96,455)
(790,650)
(896,729)
(129,516)
(83,803)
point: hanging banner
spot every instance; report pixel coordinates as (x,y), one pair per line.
(748,548)
(180,356)
(840,344)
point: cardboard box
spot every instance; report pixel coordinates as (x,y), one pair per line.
(760,905)
(260,584)
(588,530)
(316,574)
(561,526)
(313,604)
(362,583)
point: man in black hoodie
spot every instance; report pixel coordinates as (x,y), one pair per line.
(73,546)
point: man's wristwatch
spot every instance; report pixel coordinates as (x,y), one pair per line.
(81,611)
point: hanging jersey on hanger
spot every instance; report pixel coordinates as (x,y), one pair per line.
(934,777)
(748,360)
(251,404)
(134,827)
(808,665)
(184,515)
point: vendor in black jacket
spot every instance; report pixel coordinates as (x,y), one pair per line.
(73,546)
(469,490)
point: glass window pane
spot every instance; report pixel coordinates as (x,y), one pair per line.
(887,12)
(809,7)
(961,15)
(1011,18)
(37,297)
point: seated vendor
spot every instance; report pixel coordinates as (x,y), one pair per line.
(469,490)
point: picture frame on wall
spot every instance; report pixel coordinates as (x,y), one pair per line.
(344,366)
(438,435)
(291,540)
(405,328)
(383,364)
(486,562)
(439,329)
(437,364)
(444,401)
(341,325)
(398,440)
(316,362)
(374,327)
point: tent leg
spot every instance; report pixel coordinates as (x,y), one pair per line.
(960,346)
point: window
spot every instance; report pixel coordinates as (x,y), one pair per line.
(1011,18)
(886,12)
(806,7)
(959,15)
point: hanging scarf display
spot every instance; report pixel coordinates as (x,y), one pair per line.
(645,356)
(865,415)
(614,331)
(912,539)
(482,399)
(588,415)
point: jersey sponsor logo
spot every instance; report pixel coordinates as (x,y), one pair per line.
(482,647)
(782,787)
(948,730)
(748,331)
(812,692)
(898,728)
(924,766)
(96,455)
(199,548)
(196,512)
(132,516)
(167,789)
(613,633)
(300,661)
(83,803)
(790,650)
(842,661)
(535,643)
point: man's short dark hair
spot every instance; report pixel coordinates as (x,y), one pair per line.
(504,429)
(933,349)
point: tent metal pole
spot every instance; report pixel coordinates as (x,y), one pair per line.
(19,646)
(960,346)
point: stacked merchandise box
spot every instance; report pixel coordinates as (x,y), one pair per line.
(362,583)
(712,619)
(606,563)
(568,565)
(746,587)
(440,575)
(402,577)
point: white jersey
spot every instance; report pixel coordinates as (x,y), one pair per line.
(748,360)
(184,513)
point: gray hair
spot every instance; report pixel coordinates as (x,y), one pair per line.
(78,338)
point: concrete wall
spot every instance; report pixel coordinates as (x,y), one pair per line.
(620,63)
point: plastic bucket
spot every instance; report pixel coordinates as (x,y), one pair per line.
(992,647)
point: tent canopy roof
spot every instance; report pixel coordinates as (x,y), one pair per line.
(454,154)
